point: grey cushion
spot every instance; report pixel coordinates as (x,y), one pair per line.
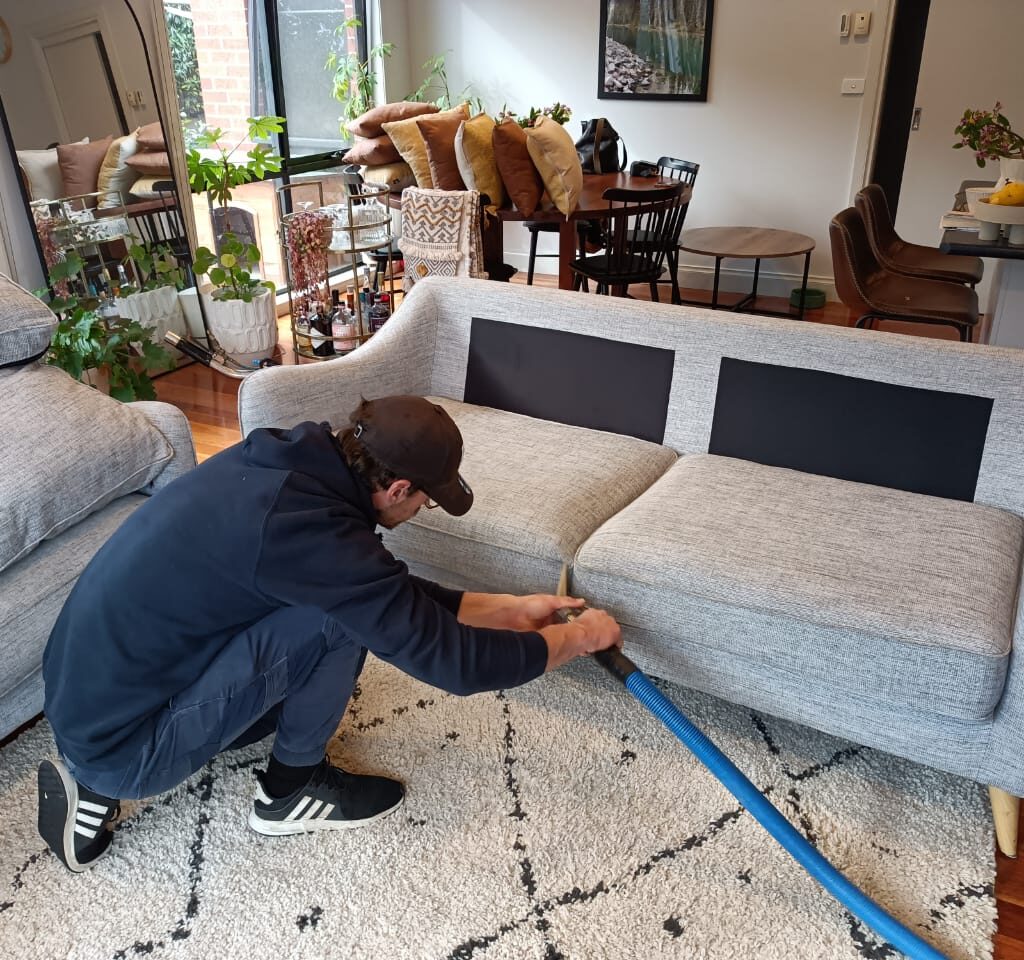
(540,490)
(844,586)
(68,451)
(26,323)
(31,596)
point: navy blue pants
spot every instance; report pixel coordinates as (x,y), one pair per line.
(292,672)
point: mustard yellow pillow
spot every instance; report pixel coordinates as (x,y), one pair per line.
(406,136)
(554,155)
(474,153)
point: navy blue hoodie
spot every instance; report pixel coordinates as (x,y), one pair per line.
(277,520)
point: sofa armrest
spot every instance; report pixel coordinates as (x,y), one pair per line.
(397,360)
(173,424)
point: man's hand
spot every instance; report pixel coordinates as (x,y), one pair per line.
(503,611)
(591,631)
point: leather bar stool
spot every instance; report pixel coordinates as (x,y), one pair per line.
(877,293)
(910,259)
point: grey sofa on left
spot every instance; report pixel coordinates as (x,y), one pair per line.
(74,464)
(821,523)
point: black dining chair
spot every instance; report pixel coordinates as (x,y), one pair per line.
(640,227)
(684,171)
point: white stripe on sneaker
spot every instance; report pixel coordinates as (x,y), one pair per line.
(326,812)
(92,821)
(299,807)
(93,807)
(310,814)
(85,831)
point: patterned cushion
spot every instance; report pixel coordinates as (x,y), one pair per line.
(69,450)
(540,490)
(866,590)
(26,323)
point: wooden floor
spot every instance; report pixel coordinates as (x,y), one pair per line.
(208,399)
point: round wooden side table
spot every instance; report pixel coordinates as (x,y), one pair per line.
(748,243)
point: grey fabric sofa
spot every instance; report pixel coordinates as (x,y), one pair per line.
(74,465)
(821,523)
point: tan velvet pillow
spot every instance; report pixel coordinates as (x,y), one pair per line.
(371,123)
(406,136)
(474,153)
(554,155)
(151,163)
(115,178)
(80,165)
(397,176)
(438,133)
(151,137)
(375,150)
(519,174)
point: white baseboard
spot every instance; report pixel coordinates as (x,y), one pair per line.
(732,280)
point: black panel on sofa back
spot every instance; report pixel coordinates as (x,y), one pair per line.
(570,378)
(908,438)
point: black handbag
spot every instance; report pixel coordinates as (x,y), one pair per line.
(598,148)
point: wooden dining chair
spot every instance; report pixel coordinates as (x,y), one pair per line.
(640,227)
(876,293)
(910,259)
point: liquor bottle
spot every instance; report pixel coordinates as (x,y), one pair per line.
(379,312)
(344,330)
(320,333)
(302,331)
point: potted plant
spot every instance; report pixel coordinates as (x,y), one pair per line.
(240,307)
(989,135)
(148,293)
(98,347)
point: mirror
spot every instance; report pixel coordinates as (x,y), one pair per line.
(88,141)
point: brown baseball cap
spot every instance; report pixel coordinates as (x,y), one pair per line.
(420,442)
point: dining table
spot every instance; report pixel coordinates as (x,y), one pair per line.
(591,206)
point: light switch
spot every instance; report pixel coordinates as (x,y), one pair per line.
(844,24)
(854,85)
(861,23)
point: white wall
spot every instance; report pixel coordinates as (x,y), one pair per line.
(776,140)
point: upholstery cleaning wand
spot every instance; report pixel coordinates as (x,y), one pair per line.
(215,361)
(847,893)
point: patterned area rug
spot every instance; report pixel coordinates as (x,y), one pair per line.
(556,820)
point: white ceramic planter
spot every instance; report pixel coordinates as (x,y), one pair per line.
(189,300)
(159,310)
(1010,170)
(246,332)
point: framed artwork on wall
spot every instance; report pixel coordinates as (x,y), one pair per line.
(654,49)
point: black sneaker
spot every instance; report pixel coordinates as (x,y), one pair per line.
(333,799)
(73,819)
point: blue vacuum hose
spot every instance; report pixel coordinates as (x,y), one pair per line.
(847,893)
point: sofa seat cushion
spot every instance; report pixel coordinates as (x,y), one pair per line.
(540,489)
(906,598)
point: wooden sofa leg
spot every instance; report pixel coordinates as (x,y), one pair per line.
(1006,813)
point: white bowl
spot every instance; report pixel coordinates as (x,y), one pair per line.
(997,213)
(974,194)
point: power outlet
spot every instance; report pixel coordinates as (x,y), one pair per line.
(861,23)
(852,85)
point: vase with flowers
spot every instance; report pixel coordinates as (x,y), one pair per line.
(989,134)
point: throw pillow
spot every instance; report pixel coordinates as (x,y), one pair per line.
(554,154)
(80,165)
(26,324)
(371,123)
(41,172)
(474,153)
(373,151)
(155,163)
(116,177)
(406,136)
(397,176)
(518,172)
(92,450)
(151,137)
(438,132)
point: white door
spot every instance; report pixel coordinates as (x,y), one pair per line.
(81,83)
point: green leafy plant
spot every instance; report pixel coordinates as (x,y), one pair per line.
(558,112)
(85,340)
(988,134)
(434,88)
(354,81)
(231,272)
(154,266)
